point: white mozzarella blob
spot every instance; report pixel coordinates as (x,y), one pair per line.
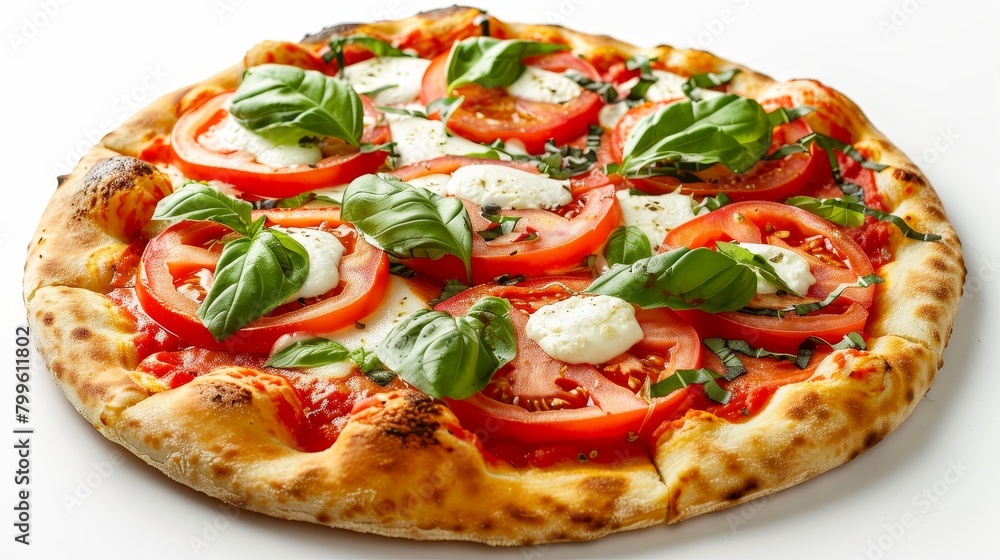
(610,114)
(585,329)
(668,86)
(535,84)
(437,183)
(325,252)
(421,139)
(511,189)
(229,136)
(405,74)
(791,267)
(656,215)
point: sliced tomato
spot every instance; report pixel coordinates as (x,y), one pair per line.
(241,168)
(177,264)
(767,180)
(833,257)
(542,242)
(537,399)
(488,114)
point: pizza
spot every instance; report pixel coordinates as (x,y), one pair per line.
(451,277)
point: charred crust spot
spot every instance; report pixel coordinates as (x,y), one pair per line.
(486,525)
(907,176)
(80,333)
(109,177)
(225,394)
(60,179)
(222,471)
(323,517)
(48,319)
(414,421)
(809,403)
(749,486)
(522,514)
(872,438)
(909,395)
(798,441)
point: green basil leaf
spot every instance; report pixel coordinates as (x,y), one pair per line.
(606,90)
(252,277)
(297,201)
(626,245)
(451,288)
(378,47)
(692,88)
(400,111)
(807,308)
(371,367)
(681,279)
(731,130)
(760,265)
(782,115)
(726,350)
(830,145)
(310,352)
(197,201)
(285,102)
(447,356)
(711,203)
(850,212)
(445,107)
(491,62)
(684,377)
(407,221)
(499,224)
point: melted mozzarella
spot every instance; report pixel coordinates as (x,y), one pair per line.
(229,136)
(585,329)
(405,74)
(325,252)
(610,114)
(655,215)
(791,267)
(668,86)
(511,189)
(535,84)
(437,183)
(421,139)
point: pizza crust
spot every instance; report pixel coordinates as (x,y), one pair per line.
(402,466)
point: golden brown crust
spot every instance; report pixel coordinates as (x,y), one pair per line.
(403,466)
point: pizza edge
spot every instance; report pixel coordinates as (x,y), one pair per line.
(87,345)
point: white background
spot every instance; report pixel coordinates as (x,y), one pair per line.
(926,73)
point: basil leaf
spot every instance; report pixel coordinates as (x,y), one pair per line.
(850,212)
(681,279)
(711,203)
(310,352)
(447,356)
(606,90)
(726,350)
(295,201)
(371,367)
(451,288)
(731,130)
(407,221)
(197,201)
(252,277)
(378,47)
(684,377)
(491,62)
(284,102)
(692,88)
(499,224)
(782,115)
(761,266)
(807,308)
(829,145)
(445,107)
(646,78)
(626,245)
(400,111)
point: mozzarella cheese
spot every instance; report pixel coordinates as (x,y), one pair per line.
(585,329)
(421,139)
(511,189)
(610,114)
(437,183)
(405,74)
(229,136)
(535,84)
(656,215)
(668,86)
(791,267)
(325,252)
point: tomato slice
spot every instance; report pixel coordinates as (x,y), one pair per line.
(537,399)
(241,169)
(766,180)
(562,239)
(833,257)
(172,284)
(488,114)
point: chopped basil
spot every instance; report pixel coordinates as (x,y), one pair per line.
(371,367)
(445,107)
(761,266)
(447,356)
(782,115)
(284,102)
(731,130)
(711,203)
(807,308)
(726,350)
(406,221)
(294,201)
(626,245)
(646,78)
(692,88)
(681,279)
(829,145)
(401,270)
(499,224)
(850,212)
(404,112)
(606,90)
(684,377)
(491,62)
(310,352)
(378,47)
(451,288)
